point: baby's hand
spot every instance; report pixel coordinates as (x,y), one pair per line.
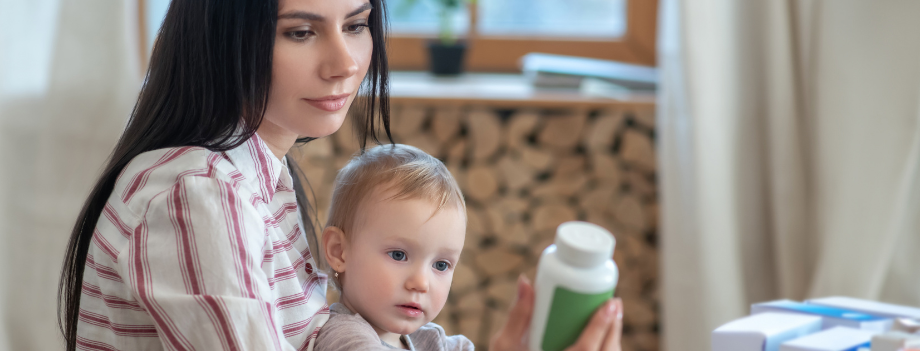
(603,332)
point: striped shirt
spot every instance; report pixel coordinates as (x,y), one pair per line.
(202,250)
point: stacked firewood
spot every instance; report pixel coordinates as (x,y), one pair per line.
(523,172)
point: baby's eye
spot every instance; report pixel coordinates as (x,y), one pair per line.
(441,265)
(397,255)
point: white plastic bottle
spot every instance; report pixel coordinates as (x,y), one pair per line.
(575,276)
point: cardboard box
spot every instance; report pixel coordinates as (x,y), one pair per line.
(833,339)
(832,316)
(763,332)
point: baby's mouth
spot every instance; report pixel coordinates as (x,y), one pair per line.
(412,310)
(414,307)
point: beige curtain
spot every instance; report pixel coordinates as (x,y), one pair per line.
(789,151)
(69,76)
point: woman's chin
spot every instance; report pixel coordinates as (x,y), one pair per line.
(323,129)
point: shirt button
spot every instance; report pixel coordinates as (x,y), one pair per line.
(309,268)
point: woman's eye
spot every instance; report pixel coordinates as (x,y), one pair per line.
(397,255)
(441,265)
(356,28)
(299,34)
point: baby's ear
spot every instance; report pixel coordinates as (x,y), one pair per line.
(334,245)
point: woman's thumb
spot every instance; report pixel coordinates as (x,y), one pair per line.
(521,311)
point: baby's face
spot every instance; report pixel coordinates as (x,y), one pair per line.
(400,261)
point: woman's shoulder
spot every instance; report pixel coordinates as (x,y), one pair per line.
(153,172)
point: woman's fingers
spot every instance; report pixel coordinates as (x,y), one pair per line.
(594,334)
(521,311)
(614,335)
(603,332)
(511,336)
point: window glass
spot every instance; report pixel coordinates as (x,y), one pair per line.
(422,17)
(594,19)
(412,17)
(154,13)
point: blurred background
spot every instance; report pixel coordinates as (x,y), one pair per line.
(774,154)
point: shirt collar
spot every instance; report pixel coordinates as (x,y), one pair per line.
(258,165)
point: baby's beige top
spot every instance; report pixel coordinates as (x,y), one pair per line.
(346,331)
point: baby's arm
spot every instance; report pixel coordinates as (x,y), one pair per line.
(346,333)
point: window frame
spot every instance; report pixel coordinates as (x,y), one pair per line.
(142,35)
(501,54)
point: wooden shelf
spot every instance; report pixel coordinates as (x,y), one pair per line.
(501,90)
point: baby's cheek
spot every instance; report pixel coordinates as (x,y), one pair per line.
(439,295)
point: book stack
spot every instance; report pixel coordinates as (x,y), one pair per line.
(589,76)
(825,324)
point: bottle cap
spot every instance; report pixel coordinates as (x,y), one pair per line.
(584,244)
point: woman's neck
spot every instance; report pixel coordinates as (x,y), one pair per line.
(278,140)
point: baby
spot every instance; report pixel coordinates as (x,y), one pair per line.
(396,227)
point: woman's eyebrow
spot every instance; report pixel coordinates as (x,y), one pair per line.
(318,18)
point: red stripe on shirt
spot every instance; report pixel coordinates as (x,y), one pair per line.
(300,298)
(180,217)
(299,327)
(219,317)
(110,301)
(141,331)
(208,171)
(110,214)
(140,179)
(142,282)
(236,178)
(104,245)
(280,214)
(306,342)
(103,271)
(242,261)
(87,344)
(282,245)
(234,224)
(264,171)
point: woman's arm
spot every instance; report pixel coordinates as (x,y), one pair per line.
(194,265)
(603,332)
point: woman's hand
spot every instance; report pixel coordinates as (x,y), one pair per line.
(603,331)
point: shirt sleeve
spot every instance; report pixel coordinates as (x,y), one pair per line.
(432,337)
(347,333)
(194,264)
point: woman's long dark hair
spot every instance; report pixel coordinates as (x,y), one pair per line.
(209,78)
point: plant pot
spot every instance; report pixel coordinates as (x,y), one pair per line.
(446,60)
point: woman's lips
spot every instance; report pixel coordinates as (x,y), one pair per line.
(330,103)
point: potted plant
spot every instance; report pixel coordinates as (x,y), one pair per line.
(446,53)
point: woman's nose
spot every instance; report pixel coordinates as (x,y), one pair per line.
(338,62)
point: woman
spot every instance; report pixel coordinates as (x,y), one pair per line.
(197,236)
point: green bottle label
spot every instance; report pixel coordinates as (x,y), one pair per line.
(568,315)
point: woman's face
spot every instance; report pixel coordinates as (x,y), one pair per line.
(322,53)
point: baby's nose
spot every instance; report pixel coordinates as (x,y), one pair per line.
(418,281)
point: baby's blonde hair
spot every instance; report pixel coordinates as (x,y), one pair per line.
(405,170)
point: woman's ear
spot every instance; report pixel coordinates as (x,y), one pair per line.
(335,245)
